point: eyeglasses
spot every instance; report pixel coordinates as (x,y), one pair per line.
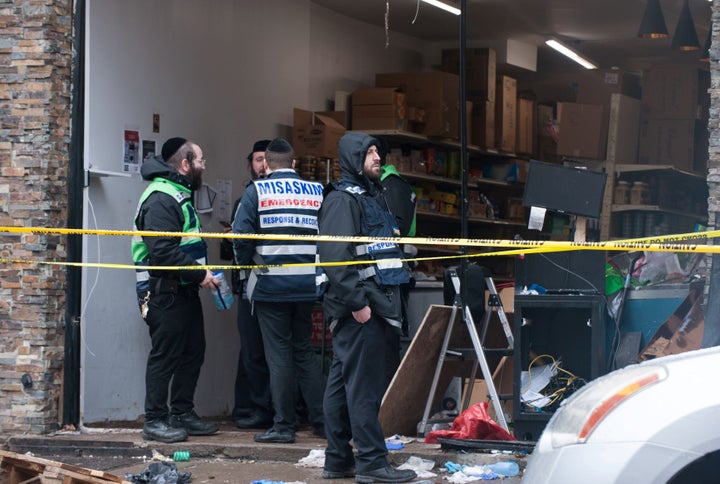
(202,161)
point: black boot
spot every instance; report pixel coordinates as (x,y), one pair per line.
(192,424)
(159,430)
(258,420)
(385,474)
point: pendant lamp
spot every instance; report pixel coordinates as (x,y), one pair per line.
(653,22)
(685,37)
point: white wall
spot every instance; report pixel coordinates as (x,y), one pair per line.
(223,73)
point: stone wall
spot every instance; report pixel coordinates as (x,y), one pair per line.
(714,131)
(35,86)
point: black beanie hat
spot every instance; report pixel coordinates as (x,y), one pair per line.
(171,146)
(258,146)
(279,145)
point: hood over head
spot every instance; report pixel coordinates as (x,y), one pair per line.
(352,150)
(156,167)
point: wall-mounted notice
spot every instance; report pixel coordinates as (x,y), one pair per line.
(148,149)
(131,151)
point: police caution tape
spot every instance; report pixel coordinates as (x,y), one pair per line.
(687,242)
(674,242)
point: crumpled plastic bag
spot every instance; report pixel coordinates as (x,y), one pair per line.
(316,458)
(473,423)
(160,473)
(422,467)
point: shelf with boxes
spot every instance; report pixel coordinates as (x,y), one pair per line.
(657,200)
(494,192)
(433,168)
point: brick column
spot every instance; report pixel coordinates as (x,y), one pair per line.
(712,291)
(35,61)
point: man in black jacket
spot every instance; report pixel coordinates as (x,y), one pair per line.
(283,292)
(253,408)
(359,302)
(169,301)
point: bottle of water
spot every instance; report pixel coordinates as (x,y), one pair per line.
(222,294)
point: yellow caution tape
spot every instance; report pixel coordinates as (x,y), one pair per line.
(662,243)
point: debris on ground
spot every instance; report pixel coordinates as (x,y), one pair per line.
(160,473)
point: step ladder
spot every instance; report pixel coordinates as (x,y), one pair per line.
(478,352)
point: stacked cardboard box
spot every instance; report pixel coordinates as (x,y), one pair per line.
(675,109)
(546,133)
(580,131)
(597,87)
(506,113)
(480,70)
(436,93)
(481,90)
(316,134)
(525,132)
(378,108)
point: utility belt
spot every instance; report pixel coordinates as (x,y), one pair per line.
(167,285)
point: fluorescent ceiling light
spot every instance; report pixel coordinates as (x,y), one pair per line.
(567,51)
(444,6)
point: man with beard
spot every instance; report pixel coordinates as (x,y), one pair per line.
(360,301)
(282,292)
(252,382)
(168,299)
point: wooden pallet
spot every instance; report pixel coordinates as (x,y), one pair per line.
(26,469)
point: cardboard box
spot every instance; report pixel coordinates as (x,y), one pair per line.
(597,87)
(624,129)
(315,134)
(676,92)
(681,143)
(525,135)
(378,95)
(369,123)
(378,108)
(546,149)
(512,172)
(339,116)
(480,70)
(580,131)
(503,380)
(482,132)
(682,331)
(505,114)
(437,93)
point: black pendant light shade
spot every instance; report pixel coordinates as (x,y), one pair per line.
(653,22)
(685,37)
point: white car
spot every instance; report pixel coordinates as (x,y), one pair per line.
(654,422)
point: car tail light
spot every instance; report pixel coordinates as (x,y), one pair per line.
(577,419)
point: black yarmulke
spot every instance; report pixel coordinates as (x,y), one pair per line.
(279,145)
(171,146)
(261,145)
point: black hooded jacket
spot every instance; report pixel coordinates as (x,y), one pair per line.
(161,213)
(341,215)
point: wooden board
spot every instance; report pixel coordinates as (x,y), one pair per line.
(19,468)
(404,401)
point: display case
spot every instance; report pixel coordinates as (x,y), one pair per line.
(571,330)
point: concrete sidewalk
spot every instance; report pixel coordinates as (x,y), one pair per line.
(107,449)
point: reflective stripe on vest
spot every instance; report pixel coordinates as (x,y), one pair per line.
(191,244)
(387,268)
(287,204)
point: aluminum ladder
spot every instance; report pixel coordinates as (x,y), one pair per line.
(478,352)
